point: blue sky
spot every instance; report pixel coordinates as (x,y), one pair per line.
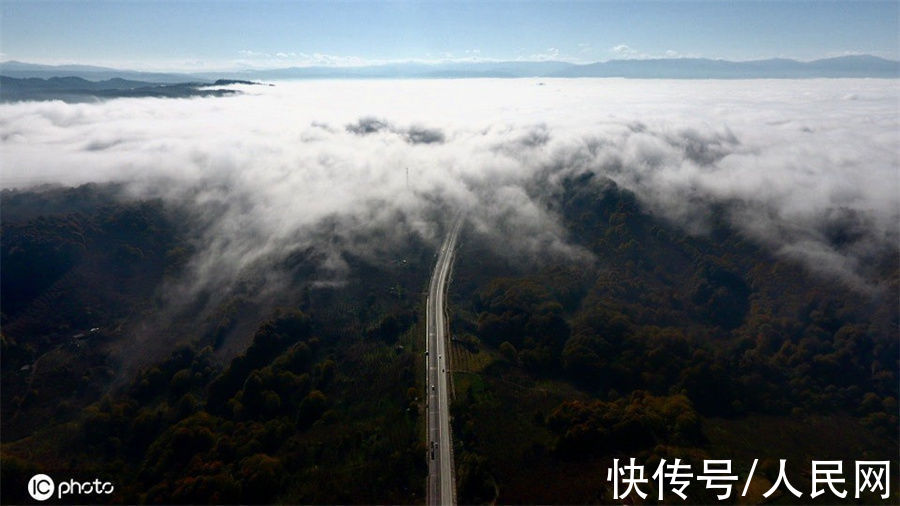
(195,34)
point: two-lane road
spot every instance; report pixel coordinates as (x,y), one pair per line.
(441,487)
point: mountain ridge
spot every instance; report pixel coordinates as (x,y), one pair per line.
(78,89)
(661,68)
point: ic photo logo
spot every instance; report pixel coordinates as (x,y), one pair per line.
(41,487)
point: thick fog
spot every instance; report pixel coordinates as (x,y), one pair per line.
(808,168)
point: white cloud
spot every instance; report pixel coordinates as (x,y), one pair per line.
(253,54)
(623,51)
(626,52)
(279,59)
(551,53)
(794,158)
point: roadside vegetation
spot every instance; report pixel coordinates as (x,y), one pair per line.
(664,345)
(319,404)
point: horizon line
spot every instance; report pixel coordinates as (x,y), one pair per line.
(419,61)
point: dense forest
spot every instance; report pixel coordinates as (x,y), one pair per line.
(667,345)
(657,344)
(311,398)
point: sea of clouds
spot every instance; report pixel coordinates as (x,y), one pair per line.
(278,169)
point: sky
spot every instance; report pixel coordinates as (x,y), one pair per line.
(225,35)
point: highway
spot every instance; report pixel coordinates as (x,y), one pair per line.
(441,485)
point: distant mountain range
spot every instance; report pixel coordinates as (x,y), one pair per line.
(665,68)
(31,70)
(77,89)
(672,68)
(701,68)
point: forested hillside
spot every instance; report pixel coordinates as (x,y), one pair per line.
(663,344)
(649,342)
(320,404)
